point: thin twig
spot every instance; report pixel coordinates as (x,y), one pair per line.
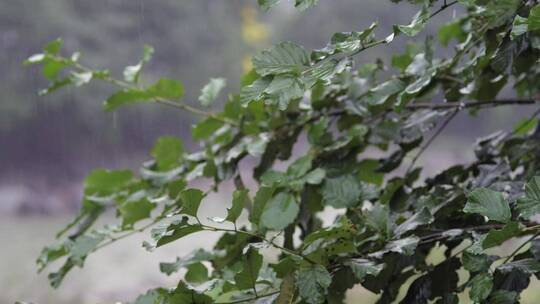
(386,41)
(521,247)
(129,86)
(442,8)
(471,104)
(128,234)
(250,299)
(430,141)
(289,251)
(445,106)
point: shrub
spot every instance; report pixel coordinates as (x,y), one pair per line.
(390,219)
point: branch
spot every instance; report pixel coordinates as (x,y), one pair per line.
(250,299)
(471,104)
(442,8)
(289,251)
(128,234)
(129,86)
(521,247)
(385,41)
(431,140)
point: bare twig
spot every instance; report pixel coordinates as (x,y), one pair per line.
(430,141)
(534,236)
(471,104)
(250,299)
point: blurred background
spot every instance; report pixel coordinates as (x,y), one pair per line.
(48,144)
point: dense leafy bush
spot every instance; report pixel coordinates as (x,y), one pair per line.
(391,220)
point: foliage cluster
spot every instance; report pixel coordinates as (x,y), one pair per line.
(391,221)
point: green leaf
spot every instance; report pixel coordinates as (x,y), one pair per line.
(475,262)
(56,278)
(54,46)
(166,88)
(362,267)
(529,205)
(55,85)
(264,194)
(351,41)
(416,25)
(284,89)
(519,27)
(530,266)
(497,237)
(481,286)
(283,58)
(503,297)
(534,18)
(191,200)
(323,72)
(50,254)
(211,90)
(367,172)
(315,177)
(451,31)
(125,97)
(168,151)
(35,59)
(525,126)
(341,192)
(300,4)
(305,4)
(52,68)
(274,178)
(251,266)
(133,211)
(421,218)
(313,282)
(267,4)
(151,297)
(254,91)
(185,295)
(196,256)
(476,247)
(488,203)
(380,94)
(499,12)
(343,231)
(103,182)
(280,211)
(418,85)
(82,246)
(206,128)
(196,273)
(406,246)
(176,230)
(132,73)
(78,79)
(300,166)
(163,89)
(240,198)
(378,218)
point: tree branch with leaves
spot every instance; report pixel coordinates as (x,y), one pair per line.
(274,247)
